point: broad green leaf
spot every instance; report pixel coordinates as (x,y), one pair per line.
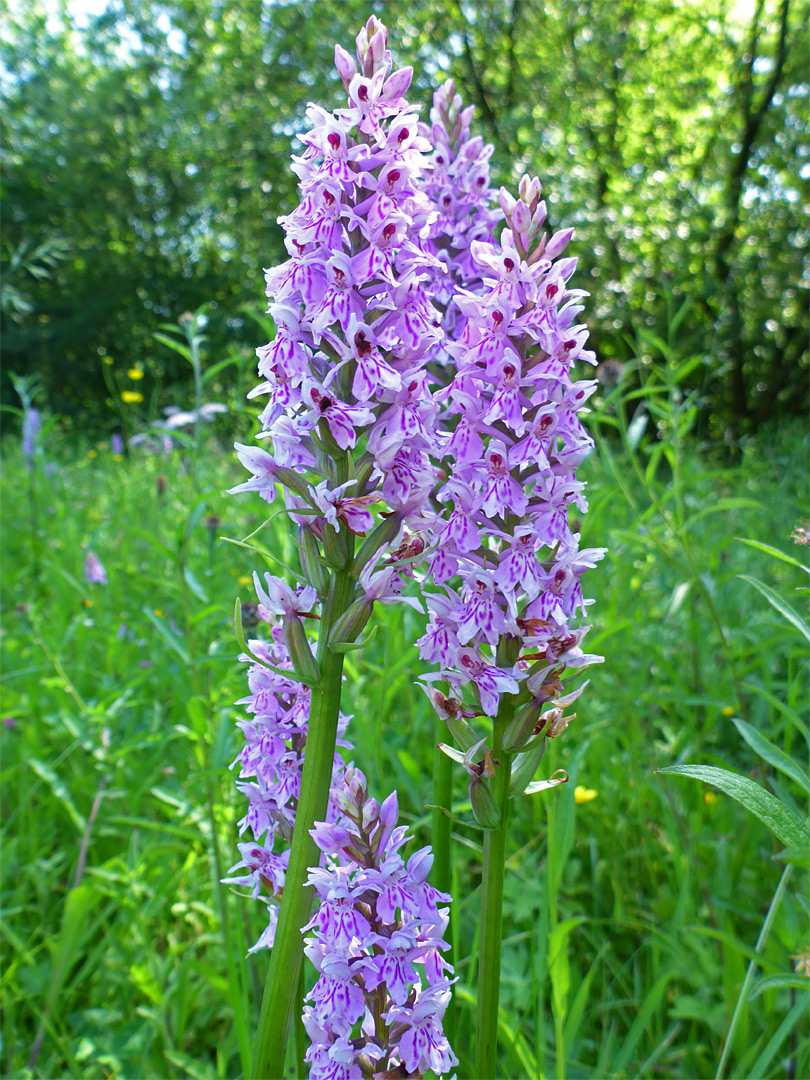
(782,606)
(772,754)
(783,823)
(79,904)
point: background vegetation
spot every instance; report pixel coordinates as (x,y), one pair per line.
(146,157)
(119,813)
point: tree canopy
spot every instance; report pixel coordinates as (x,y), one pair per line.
(146,158)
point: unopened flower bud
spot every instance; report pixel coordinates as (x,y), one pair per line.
(345,64)
(529,190)
(558,243)
(398,82)
(389,811)
(371,811)
(507,202)
(356,785)
(521,221)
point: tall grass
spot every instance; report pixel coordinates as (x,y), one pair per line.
(630,919)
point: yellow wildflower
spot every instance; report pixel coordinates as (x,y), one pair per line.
(131,397)
(245,580)
(583,794)
(107,360)
(158,612)
(727,710)
(135,373)
(92,453)
(709,797)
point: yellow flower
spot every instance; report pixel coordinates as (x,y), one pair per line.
(107,360)
(157,612)
(118,457)
(727,710)
(131,397)
(92,453)
(135,373)
(87,603)
(583,794)
(709,797)
(245,580)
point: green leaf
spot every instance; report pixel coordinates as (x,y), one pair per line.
(772,754)
(350,646)
(775,552)
(167,634)
(783,823)
(59,788)
(194,585)
(172,343)
(782,606)
(79,903)
(778,982)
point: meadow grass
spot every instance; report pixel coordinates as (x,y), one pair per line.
(630,919)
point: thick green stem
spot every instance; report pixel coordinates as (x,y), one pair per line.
(491,934)
(281,989)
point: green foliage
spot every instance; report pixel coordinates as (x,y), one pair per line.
(150,147)
(631,920)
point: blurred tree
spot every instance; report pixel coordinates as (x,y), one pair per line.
(672,133)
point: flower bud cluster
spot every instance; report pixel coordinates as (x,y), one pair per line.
(507,557)
(377,942)
(270,766)
(458,187)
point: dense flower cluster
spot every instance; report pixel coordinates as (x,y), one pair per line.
(355,325)
(458,187)
(512,452)
(270,769)
(377,942)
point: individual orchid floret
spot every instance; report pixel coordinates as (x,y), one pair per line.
(377,939)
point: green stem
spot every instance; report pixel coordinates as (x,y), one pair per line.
(749,975)
(440,823)
(491,934)
(281,988)
(440,836)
